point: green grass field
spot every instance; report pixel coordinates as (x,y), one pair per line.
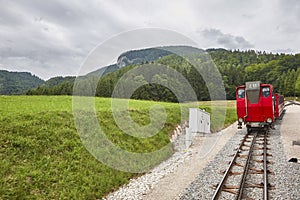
(42,156)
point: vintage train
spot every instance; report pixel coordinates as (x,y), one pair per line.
(257,105)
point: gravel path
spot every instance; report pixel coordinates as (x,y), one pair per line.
(168,179)
(290,132)
(287,174)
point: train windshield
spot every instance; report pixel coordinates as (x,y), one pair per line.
(241,93)
(266,91)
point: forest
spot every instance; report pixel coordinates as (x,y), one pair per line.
(235,68)
(17,82)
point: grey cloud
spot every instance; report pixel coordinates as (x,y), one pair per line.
(75,14)
(290,6)
(50,10)
(287,17)
(226,40)
(9,17)
(53,34)
(289,51)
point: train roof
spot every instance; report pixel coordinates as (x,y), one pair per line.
(262,85)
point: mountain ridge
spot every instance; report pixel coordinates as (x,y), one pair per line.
(235,67)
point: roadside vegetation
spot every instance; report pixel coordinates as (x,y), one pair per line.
(42,156)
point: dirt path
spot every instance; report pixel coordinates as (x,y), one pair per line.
(203,151)
(290,132)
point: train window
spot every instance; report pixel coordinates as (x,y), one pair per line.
(266,91)
(241,93)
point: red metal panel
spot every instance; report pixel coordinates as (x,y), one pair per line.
(263,110)
(279,105)
(240,104)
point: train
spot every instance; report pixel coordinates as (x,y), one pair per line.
(258,106)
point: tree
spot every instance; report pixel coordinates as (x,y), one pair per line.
(297,85)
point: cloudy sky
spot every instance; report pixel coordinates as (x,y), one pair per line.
(51,38)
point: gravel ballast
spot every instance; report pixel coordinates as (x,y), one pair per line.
(285,175)
(202,186)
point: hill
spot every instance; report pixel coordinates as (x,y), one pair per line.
(54,86)
(153,54)
(125,60)
(17,82)
(236,67)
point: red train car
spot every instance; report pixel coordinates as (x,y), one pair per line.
(257,105)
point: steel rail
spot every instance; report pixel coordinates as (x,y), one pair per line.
(232,162)
(265,169)
(246,169)
(288,103)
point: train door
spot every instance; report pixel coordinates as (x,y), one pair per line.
(268,102)
(254,110)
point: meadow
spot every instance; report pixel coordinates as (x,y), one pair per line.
(42,155)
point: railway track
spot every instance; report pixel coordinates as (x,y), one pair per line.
(246,177)
(288,103)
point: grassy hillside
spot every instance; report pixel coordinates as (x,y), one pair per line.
(42,156)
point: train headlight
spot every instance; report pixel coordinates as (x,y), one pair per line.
(269,120)
(241,120)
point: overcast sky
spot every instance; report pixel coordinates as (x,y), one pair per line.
(51,38)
